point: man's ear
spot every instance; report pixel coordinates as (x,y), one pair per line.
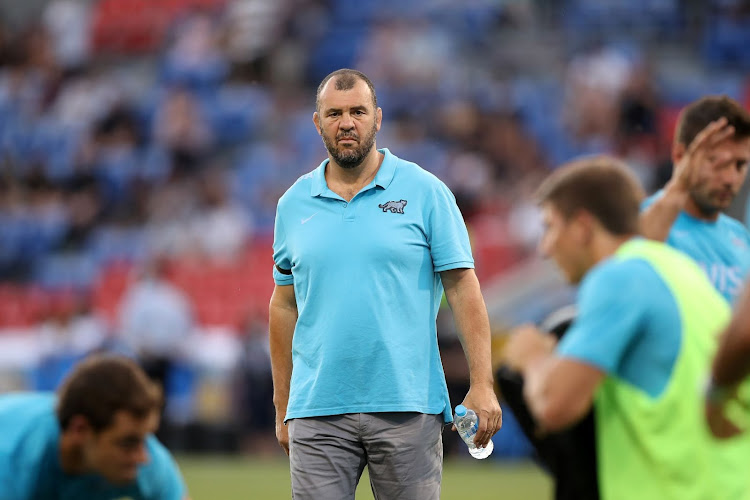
(79,427)
(586,225)
(316,121)
(678,151)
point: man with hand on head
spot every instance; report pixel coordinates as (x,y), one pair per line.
(711,153)
(93,440)
(639,347)
(364,246)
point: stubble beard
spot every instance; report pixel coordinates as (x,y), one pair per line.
(706,205)
(350,157)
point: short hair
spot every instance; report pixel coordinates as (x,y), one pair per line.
(601,185)
(101,386)
(699,114)
(346,79)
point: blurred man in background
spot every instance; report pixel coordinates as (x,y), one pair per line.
(93,440)
(639,346)
(710,153)
(155,320)
(363,247)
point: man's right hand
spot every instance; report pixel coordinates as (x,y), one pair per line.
(687,172)
(282,432)
(721,427)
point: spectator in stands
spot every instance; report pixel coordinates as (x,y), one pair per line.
(69,332)
(220,227)
(711,157)
(155,318)
(68,24)
(182,129)
(594,84)
(84,203)
(255,386)
(195,59)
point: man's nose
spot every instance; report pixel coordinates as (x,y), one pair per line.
(141,454)
(346,122)
(731,176)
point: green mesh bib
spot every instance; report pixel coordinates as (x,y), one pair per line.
(661,449)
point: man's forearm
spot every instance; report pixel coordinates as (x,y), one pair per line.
(473,326)
(732,361)
(282,321)
(657,220)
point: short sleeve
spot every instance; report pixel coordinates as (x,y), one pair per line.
(282,270)
(650,200)
(447,234)
(611,312)
(163,480)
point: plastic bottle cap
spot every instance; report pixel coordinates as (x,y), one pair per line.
(460,410)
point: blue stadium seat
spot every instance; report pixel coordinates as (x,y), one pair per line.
(51,371)
(66,271)
(55,145)
(235,111)
(119,244)
(338,49)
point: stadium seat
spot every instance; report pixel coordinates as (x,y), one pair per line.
(66,270)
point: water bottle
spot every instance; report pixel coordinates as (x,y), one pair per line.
(467,423)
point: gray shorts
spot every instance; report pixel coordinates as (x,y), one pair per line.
(403,453)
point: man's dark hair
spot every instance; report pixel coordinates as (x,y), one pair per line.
(699,114)
(600,185)
(346,79)
(102,385)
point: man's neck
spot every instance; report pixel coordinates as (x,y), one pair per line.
(71,456)
(353,176)
(607,244)
(347,182)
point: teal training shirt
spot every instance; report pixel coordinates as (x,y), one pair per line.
(627,324)
(721,248)
(30,466)
(365,276)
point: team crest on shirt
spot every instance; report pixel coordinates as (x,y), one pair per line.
(395,207)
(738,242)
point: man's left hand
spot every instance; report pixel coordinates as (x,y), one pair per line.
(483,401)
(721,426)
(526,343)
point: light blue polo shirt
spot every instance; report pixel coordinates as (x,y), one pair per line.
(627,324)
(721,248)
(30,464)
(365,276)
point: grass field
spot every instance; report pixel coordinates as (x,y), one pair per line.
(228,478)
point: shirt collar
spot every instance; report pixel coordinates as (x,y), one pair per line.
(383,178)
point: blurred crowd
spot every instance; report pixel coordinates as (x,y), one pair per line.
(143,147)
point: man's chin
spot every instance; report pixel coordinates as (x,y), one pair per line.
(349,160)
(572,278)
(124,479)
(714,209)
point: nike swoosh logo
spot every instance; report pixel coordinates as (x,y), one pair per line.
(304,221)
